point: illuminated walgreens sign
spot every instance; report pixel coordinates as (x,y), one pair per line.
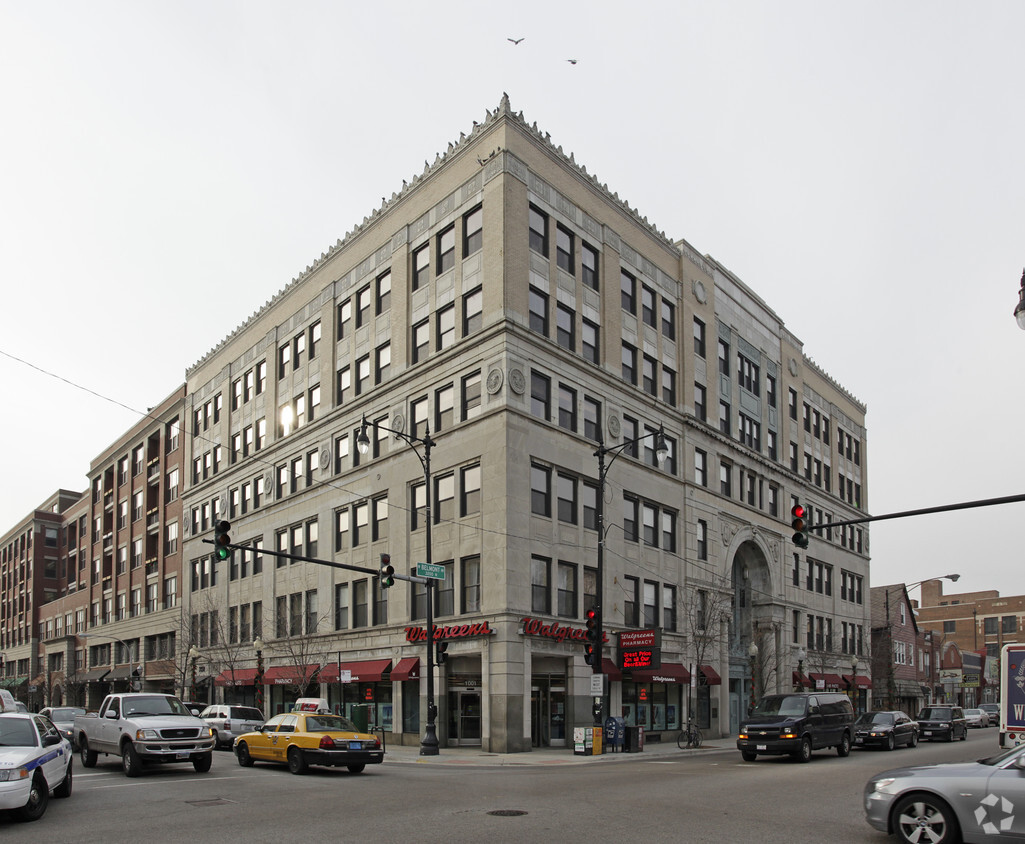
(556,631)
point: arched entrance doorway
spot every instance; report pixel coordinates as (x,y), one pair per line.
(753,623)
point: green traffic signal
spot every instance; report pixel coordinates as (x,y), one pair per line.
(222,541)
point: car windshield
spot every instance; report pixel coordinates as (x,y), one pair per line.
(781,705)
(154,705)
(16,732)
(935,713)
(972,711)
(327,723)
(868,719)
(66,713)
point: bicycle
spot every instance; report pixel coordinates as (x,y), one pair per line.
(690,736)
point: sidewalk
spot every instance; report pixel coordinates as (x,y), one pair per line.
(475,756)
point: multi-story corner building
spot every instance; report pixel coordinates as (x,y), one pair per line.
(511,309)
(114,608)
(30,575)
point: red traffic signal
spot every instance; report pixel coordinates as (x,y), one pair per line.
(799,525)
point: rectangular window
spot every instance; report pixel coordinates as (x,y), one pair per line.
(700,406)
(540,594)
(364,298)
(380,522)
(592,418)
(473,311)
(446,250)
(538,303)
(668,320)
(699,338)
(589,341)
(566,590)
(421,266)
(362,375)
(471,396)
(669,531)
(631,588)
(724,418)
(446,321)
(444,408)
(540,395)
(567,408)
(314,332)
(564,249)
(421,340)
(383,363)
(469,486)
(444,498)
(726,479)
(650,604)
(473,231)
(383,298)
(628,289)
(724,358)
(566,495)
(540,490)
(668,386)
(630,513)
(565,327)
(648,301)
(470,579)
(344,319)
(589,501)
(589,266)
(649,375)
(538,231)
(629,364)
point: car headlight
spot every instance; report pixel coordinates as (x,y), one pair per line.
(883,784)
(146,735)
(14,774)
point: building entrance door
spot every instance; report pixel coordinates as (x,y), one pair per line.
(464,713)
(548,711)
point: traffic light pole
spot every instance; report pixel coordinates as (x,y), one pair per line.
(944,508)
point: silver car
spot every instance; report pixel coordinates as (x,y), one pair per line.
(230,721)
(981,801)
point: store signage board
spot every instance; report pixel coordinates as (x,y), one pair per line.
(429,570)
(640,649)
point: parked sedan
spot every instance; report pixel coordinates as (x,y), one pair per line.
(300,739)
(972,802)
(35,760)
(976,717)
(885,729)
(228,721)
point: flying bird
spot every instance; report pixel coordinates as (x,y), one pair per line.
(572,61)
(514,40)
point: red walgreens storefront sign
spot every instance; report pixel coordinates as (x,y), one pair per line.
(640,648)
(556,631)
(455,631)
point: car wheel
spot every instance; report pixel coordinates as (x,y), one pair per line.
(890,743)
(242,754)
(356,769)
(88,756)
(964,735)
(202,762)
(844,747)
(804,753)
(924,817)
(64,789)
(950,735)
(38,797)
(913,741)
(748,756)
(217,740)
(130,761)
(296,761)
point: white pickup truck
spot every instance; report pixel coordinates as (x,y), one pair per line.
(141,728)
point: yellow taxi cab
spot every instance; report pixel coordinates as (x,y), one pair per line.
(307,737)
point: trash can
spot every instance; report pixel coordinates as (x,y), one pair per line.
(360,716)
(615,734)
(634,739)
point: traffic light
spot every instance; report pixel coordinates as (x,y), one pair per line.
(440,649)
(591,650)
(222,542)
(800,525)
(387,571)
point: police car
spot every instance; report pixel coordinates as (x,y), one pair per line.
(35,759)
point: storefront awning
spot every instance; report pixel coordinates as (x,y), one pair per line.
(238,677)
(289,675)
(94,675)
(610,668)
(828,681)
(365,671)
(670,672)
(800,680)
(120,672)
(711,676)
(407,668)
(861,681)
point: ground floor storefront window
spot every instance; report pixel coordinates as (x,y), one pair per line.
(352,699)
(654,706)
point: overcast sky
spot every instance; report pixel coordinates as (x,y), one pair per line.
(166,168)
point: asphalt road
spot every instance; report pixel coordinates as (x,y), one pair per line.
(713,797)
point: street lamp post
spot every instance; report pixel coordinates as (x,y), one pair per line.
(854,683)
(258,645)
(801,656)
(661,451)
(429,743)
(752,653)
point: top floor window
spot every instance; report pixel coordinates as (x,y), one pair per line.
(589,266)
(628,285)
(564,249)
(421,266)
(538,231)
(446,250)
(473,231)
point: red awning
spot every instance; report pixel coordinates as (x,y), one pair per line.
(238,677)
(711,676)
(800,680)
(367,671)
(610,668)
(407,668)
(670,672)
(861,681)
(828,680)
(285,675)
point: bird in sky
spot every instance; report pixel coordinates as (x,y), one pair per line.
(514,40)
(572,61)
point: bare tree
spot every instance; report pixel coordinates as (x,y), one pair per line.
(299,642)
